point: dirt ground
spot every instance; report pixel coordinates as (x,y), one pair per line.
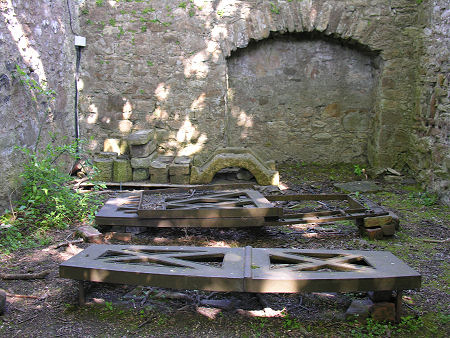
(127,311)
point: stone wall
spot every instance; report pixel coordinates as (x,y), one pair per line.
(36,36)
(431,155)
(165,64)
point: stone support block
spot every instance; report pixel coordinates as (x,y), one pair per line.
(142,162)
(359,309)
(122,171)
(179,169)
(395,220)
(90,234)
(180,179)
(140,137)
(372,233)
(372,222)
(159,172)
(104,169)
(142,150)
(384,311)
(140,174)
(388,229)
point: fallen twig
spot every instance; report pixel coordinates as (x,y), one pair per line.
(436,240)
(12,295)
(66,243)
(39,275)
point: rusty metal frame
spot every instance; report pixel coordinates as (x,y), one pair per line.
(355,211)
(261,270)
(126,210)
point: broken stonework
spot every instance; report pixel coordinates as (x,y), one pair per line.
(140,174)
(142,150)
(140,137)
(234,157)
(104,168)
(122,171)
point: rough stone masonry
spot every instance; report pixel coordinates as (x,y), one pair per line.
(316,81)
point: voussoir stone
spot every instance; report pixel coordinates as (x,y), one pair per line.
(140,137)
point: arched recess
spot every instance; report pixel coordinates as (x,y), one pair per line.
(306,96)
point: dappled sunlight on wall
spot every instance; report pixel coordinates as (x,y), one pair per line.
(30,55)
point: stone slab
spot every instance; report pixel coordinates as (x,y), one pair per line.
(358,186)
(372,222)
(142,150)
(90,234)
(143,162)
(140,137)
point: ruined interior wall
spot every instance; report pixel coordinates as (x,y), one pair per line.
(432,146)
(34,35)
(163,64)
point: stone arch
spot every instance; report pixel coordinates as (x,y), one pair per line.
(378,29)
(234,157)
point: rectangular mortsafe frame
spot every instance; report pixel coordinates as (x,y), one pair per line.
(219,210)
(248,269)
